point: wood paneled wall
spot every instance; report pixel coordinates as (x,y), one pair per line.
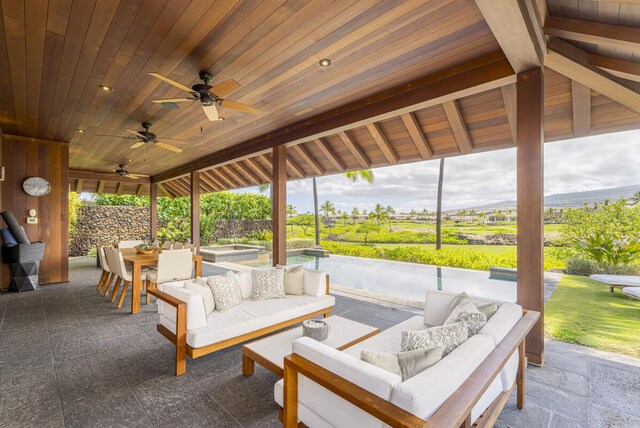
(50,160)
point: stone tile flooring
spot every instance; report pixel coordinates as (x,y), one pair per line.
(68,358)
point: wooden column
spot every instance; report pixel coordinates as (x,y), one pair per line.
(279,204)
(153,202)
(530,169)
(195,208)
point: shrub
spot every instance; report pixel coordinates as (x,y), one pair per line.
(581,266)
(262,235)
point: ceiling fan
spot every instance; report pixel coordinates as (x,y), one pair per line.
(147,137)
(124,173)
(209,96)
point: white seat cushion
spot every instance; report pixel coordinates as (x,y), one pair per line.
(632,292)
(386,341)
(252,315)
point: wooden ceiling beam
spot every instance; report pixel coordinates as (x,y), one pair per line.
(79,185)
(331,156)
(205,177)
(241,181)
(306,156)
(172,192)
(356,151)
(383,143)
(509,99)
(295,169)
(597,33)
(86,174)
(472,77)
(257,168)
(618,67)
(119,189)
(574,63)
(518,29)
(417,135)
(165,191)
(24,139)
(221,175)
(459,129)
(101,186)
(581,100)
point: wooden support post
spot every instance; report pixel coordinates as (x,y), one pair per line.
(153,202)
(278,205)
(195,208)
(530,169)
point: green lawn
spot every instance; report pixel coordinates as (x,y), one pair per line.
(583,311)
(490,249)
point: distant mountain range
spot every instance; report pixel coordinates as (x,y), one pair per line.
(573,199)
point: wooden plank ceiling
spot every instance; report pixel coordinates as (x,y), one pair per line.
(57,53)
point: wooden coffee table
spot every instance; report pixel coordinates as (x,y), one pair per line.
(270,351)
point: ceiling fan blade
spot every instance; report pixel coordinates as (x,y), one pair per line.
(168,147)
(174,100)
(171,82)
(136,176)
(239,106)
(138,144)
(211,112)
(131,131)
(225,88)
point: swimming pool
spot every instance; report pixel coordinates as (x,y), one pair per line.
(406,280)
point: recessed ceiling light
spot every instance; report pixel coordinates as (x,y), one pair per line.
(106,88)
(80,130)
(221,118)
(325,62)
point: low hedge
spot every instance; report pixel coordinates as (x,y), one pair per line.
(292,243)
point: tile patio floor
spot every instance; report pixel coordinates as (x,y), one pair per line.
(68,358)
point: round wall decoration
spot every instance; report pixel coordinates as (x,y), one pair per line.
(36,186)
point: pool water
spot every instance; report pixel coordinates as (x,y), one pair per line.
(406,280)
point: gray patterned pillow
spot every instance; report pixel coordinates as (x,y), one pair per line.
(466,311)
(448,337)
(226,291)
(268,284)
(488,308)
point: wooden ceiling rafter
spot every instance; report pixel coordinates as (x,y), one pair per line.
(248,173)
(140,190)
(383,143)
(164,190)
(205,177)
(355,150)
(573,63)
(258,169)
(101,184)
(79,185)
(309,160)
(105,176)
(417,136)
(581,107)
(120,188)
(509,100)
(618,67)
(296,170)
(219,174)
(597,33)
(236,177)
(330,154)
(458,127)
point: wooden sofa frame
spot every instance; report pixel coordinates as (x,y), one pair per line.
(454,413)
(180,338)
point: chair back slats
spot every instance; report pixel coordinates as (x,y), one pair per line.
(175,265)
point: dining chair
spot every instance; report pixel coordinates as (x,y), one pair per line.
(167,245)
(178,246)
(129,244)
(126,277)
(107,276)
(174,265)
(110,255)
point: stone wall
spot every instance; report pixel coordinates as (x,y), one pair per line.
(106,225)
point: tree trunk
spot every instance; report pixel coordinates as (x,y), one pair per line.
(439,209)
(315,211)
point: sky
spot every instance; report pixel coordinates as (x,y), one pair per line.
(570,166)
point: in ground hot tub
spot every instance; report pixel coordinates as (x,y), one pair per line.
(230,253)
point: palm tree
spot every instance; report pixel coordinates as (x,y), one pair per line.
(355,213)
(635,198)
(363,174)
(439,208)
(291,211)
(328,209)
(345,217)
(379,213)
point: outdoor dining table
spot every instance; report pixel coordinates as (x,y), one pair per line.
(139,261)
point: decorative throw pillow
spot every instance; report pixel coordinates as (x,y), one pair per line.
(448,337)
(405,364)
(467,312)
(226,291)
(268,284)
(488,308)
(293,279)
(201,286)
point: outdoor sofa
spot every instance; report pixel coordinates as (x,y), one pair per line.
(182,318)
(324,387)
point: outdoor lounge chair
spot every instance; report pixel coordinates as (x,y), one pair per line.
(632,292)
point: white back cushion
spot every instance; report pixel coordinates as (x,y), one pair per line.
(246,284)
(502,321)
(333,409)
(196,314)
(315,282)
(437,303)
(424,393)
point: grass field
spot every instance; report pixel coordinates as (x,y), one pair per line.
(584,312)
(490,249)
